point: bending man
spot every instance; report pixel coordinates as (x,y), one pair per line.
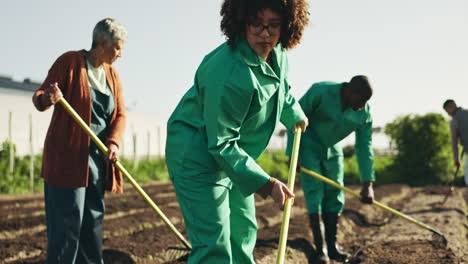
(335,110)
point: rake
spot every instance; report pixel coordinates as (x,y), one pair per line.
(452,183)
(451,187)
(381,205)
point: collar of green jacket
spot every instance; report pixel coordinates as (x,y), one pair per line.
(252,59)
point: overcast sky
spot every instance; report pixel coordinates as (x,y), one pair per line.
(414,52)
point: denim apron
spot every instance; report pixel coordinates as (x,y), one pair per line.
(75,216)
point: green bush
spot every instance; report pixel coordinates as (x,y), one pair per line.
(423,153)
(382,167)
(147,170)
(19,180)
(423,145)
(351,171)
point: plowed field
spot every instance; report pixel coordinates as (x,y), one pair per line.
(133,233)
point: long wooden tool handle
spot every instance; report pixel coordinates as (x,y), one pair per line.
(119,165)
(381,205)
(289,201)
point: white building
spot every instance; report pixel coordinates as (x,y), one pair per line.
(16,101)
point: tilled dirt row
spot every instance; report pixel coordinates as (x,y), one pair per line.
(133,233)
(398,241)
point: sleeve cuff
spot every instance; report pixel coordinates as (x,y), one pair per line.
(254,184)
(293,115)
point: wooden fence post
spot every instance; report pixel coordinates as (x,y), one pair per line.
(149,145)
(122,147)
(159,141)
(135,158)
(10,141)
(31,168)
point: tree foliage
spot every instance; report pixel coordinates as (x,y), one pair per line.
(423,149)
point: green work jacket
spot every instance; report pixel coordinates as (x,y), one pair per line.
(226,119)
(329,124)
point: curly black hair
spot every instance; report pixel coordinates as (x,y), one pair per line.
(237,13)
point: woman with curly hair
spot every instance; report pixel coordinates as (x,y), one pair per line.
(224,123)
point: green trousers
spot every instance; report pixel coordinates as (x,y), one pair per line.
(319,196)
(220,221)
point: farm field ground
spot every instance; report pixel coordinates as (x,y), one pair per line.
(133,233)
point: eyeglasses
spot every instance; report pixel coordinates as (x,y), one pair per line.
(273,29)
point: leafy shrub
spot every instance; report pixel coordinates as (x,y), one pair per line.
(19,180)
(382,167)
(423,149)
(147,170)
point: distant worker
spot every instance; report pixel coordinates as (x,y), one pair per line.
(335,110)
(75,171)
(458,132)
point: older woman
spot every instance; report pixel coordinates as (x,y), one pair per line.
(224,122)
(75,173)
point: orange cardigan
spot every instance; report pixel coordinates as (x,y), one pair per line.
(66,147)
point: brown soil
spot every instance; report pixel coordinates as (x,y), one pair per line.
(133,233)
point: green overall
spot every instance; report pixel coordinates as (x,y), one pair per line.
(75,216)
(220,127)
(320,150)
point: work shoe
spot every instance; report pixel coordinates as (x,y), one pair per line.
(316,226)
(331,224)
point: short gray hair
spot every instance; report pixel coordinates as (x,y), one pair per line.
(109,30)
